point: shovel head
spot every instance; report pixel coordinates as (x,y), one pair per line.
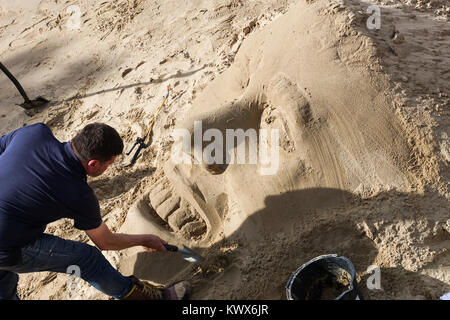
(36,103)
(189,255)
(186,253)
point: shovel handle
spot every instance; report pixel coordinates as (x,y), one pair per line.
(169,247)
(16,83)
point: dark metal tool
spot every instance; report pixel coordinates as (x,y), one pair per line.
(186,253)
(27,104)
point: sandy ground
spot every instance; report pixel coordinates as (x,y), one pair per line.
(374,185)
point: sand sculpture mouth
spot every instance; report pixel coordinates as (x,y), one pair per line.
(175,213)
(177,210)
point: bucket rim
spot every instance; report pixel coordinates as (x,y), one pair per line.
(333,255)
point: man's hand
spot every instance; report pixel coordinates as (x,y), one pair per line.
(154,243)
(104,239)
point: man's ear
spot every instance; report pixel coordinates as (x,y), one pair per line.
(92,163)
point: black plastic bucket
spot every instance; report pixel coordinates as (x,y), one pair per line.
(327,277)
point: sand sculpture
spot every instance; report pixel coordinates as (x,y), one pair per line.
(339,137)
(336,129)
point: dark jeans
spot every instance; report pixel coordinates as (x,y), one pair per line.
(51,253)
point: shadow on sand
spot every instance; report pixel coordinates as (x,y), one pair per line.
(256,261)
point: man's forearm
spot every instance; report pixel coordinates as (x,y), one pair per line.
(104,239)
(120,241)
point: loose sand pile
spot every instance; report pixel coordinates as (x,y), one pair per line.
(363,117)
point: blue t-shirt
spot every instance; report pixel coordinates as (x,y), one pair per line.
(41,181)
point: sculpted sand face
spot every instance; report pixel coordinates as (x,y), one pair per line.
(306,77)
(336,127)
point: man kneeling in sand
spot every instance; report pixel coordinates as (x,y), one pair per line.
(43,180)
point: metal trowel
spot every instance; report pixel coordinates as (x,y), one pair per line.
(186,253)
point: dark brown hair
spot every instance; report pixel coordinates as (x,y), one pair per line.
(97,141)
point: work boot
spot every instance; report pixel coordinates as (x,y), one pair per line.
(145,291)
